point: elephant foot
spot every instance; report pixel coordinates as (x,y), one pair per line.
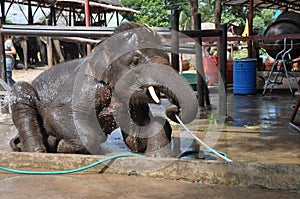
(71,147)
(52,144)
(14,143)
(134,143)
(165,151)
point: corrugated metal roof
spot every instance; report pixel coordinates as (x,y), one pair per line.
(95,5)
(273,4)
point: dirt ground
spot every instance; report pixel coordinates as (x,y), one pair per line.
(28,75)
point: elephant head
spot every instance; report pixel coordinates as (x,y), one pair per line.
(130,62)
(135,60)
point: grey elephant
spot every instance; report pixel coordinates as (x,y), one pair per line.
(73,106)
(20,43)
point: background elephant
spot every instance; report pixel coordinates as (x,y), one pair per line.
(32,51)
(37,54)
(38,45)
(20,43)
(28,49)
(72,50)
(81,101)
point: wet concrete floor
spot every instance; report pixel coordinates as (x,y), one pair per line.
(92,186)
(258,133)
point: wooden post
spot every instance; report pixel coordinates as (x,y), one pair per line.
(218,12)
(2,12)
(222,70)
(117,16)
(175,39)
(5,107)
(53,15)
(2,56)
(199,63)
(87,21)
(30,16)
(250,23)
(49,49)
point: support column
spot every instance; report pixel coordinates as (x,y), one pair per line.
(222,70)
(87,21)
(30,15)
(250,23)
(5,107)
(175,39)
(2,12)
(201,85)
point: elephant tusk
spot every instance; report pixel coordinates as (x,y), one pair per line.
(153,94)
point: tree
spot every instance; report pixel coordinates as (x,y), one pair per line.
(154,12)
(158,13)
(194,10)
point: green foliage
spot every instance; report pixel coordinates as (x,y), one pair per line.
(154,12)
(8,21)
(158,13)
(207,10)
(261,20)
(240,54)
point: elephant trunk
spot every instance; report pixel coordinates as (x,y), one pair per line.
(170,83)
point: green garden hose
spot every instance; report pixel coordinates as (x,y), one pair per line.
(67,171)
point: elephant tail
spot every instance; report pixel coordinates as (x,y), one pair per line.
(14,143)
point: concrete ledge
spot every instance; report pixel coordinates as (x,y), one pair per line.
(248,175)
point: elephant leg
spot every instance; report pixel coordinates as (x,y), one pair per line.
(43,53)
(26,117)
(153,140)
(25,52)
(71,146)
(148,134)
(59,125)
(107,121)
(57,48)
(133,125)
(159,138)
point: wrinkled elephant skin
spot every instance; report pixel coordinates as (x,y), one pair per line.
(72,107)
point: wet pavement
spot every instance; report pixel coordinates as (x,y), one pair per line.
(92,186)
(258,133)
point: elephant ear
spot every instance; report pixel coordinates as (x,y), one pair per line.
(97,64)
(112,48)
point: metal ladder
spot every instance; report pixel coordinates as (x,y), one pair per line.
(282,59)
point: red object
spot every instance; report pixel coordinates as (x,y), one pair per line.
(211,69)
(216,59)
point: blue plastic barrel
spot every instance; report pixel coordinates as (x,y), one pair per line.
(244,76)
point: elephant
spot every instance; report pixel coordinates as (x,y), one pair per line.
(28,48)
(39,45)
(71,50)
(20,43)
(73,106)
(35,46)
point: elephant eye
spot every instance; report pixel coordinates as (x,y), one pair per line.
(136,60)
